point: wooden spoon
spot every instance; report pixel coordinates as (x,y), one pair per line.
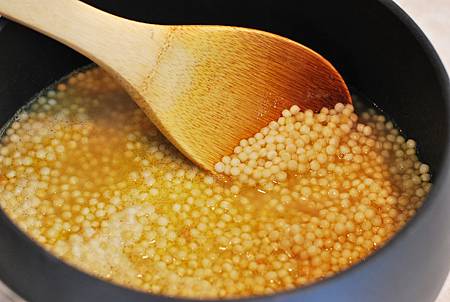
(204,87)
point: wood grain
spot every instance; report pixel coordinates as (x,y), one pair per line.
(205,87)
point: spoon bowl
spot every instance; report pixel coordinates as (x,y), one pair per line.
(204,87)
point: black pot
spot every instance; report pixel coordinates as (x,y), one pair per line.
(379,51)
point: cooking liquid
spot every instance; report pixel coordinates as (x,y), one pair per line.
(85,173)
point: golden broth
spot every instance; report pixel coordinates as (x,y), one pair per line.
(85,173)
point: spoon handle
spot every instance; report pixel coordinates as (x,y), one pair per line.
(115,43)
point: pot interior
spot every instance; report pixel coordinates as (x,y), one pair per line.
(369,46)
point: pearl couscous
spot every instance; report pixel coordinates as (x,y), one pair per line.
(306,197)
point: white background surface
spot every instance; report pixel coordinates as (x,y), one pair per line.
(433,16)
